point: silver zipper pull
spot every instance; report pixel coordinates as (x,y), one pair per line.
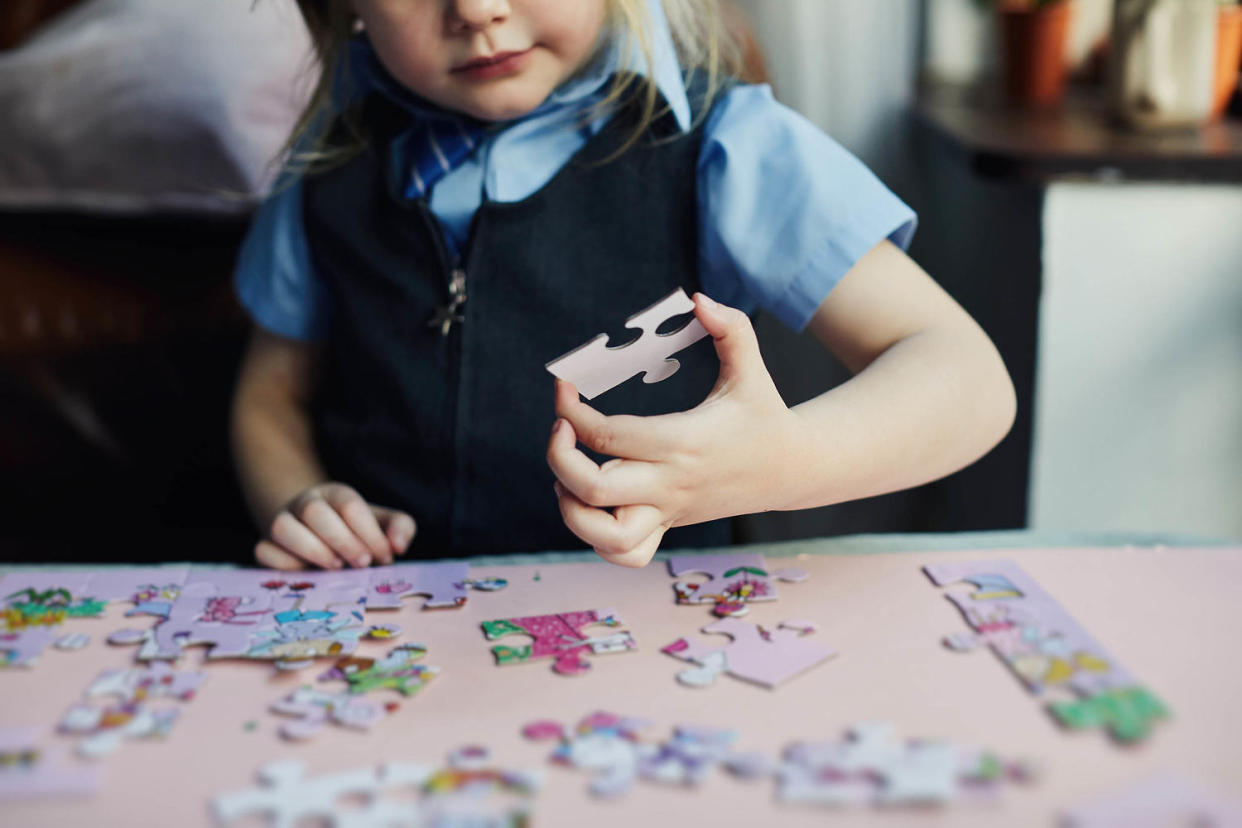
(446,315)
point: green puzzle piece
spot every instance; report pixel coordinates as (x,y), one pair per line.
(511,655)
(1127,713)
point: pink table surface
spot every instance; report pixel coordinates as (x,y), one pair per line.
(1169,615)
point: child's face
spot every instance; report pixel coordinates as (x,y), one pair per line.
(493,59)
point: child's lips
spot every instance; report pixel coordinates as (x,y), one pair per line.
(493,66)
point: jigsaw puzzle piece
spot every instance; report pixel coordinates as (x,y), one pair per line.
(398,671)
(27,770)
(157,680)
(23,647)
(288,798)
(44,599)
(315,709)
(734,581)
(226,623)
(123,584)
(1046,647)
(444,584)
(594,367)
(1127,714)
(559,637)
(106,727)
(756,654)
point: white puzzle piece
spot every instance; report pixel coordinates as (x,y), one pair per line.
(594,368)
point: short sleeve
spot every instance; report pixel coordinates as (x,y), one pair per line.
(784,210)
(274,276)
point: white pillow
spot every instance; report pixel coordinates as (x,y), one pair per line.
(134,106)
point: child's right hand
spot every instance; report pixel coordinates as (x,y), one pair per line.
(331,526)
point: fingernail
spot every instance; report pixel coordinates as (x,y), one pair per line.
(707,300)
(364,560)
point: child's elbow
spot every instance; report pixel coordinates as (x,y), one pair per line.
(1002,401)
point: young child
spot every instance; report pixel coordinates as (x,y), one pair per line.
(493,183)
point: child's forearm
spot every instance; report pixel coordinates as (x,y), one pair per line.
(272,442)
(274,454)
(929,405)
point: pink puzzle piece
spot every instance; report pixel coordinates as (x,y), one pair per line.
(735,580)
(756,654)
(559,637)
(594,368)
(28,770)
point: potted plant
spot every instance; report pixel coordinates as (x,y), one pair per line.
(1228,54)
(1033,34)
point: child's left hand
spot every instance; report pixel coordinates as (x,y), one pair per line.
(730,455)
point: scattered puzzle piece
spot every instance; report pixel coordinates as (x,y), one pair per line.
(157,680)
(397,671)
(756,654)
(465,793)
(72,641)
(315,708)
(735,580)
(1045,647)
(105,728)
(131,717)
(559,637)
(614,748)
(873,766)
(28,770)
(594,367)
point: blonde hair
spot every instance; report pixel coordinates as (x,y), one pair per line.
(703,41)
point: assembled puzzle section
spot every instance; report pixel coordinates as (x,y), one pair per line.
(594,368)
(559,637)
(1046,648)
(289,620)
(758,654)
(35,604)
(735,580)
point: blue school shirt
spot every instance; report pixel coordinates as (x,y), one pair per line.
(784,210)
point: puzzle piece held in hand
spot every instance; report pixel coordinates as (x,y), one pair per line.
(756,654)
(735,580)
(594,368)
(559,637)
(396,671)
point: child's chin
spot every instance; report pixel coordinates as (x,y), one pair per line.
(504,108)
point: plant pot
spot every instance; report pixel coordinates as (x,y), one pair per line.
(1033,52)
(1228,57)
